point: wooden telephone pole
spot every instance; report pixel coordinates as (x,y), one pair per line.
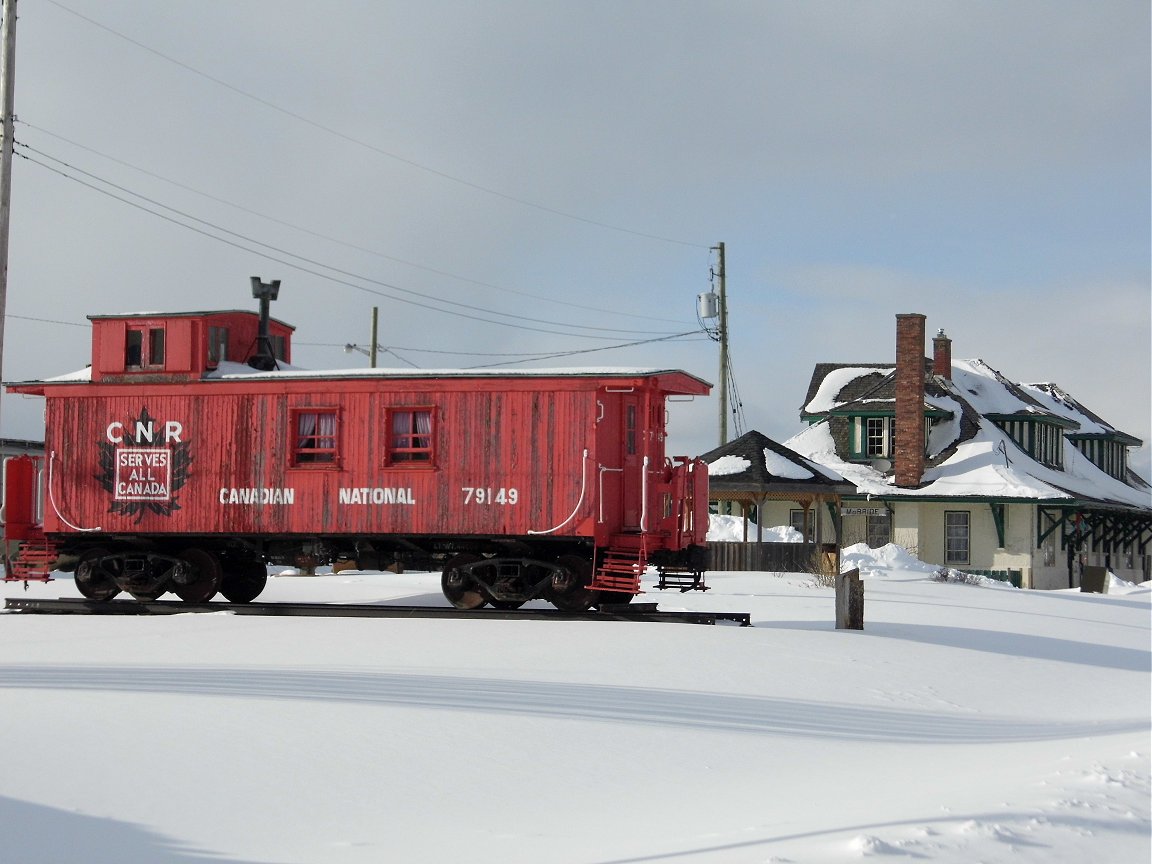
(7,100)
(723,334)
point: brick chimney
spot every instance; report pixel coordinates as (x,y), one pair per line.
(942,355)
(908,448)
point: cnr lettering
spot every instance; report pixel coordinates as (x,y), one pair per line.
(147,432)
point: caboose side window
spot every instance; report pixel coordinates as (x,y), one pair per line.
(314,437)
(134,348)
(410,437)
(156,346)
(141,351)
(217,345)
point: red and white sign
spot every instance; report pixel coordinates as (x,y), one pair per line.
(143,474)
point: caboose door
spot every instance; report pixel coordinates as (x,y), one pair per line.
(619,445)
(631,461)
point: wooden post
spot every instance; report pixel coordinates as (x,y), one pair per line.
(1094,580)
(849,601)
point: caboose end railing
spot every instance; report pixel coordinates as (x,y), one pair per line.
(28,555)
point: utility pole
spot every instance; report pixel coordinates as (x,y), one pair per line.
(375,328)
(7,101)
(723,334)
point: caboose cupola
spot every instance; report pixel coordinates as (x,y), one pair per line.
(183,346)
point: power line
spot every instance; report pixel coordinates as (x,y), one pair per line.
(553,356)
(306,260)
(46,320)
(337,240)
(525,357)
(366,145)
(430,350)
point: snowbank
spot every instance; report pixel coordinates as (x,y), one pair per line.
(730,529)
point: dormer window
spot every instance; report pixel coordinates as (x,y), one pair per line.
(877,436)
(1107,454)
(871,437)
(144,348)
(1044,442)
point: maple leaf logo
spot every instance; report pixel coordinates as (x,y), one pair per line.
(171,460)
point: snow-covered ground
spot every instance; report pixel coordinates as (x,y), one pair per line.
(965,723)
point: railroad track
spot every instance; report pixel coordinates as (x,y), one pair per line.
(630,612)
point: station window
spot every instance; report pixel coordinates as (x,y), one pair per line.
(411,436)
(879,527)
(142,350)
(796,520)
(315,437)
(957,536)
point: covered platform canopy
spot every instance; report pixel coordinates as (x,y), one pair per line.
(753,469)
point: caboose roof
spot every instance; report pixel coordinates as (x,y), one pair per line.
(675,381)
(239,370)
(203,314)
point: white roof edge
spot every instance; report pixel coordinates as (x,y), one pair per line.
(240,372)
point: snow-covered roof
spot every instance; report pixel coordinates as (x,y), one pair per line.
(238,371)
(754,463)
(201,314)
(991,394)
(1057,401)
(970,456)
(228,371)
(853,389)
(829,390)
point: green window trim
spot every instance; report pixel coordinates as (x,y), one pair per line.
(1041,440)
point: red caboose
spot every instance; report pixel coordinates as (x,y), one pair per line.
(191,454)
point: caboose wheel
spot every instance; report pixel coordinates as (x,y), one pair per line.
(243,581)
(94,580)
(459,586)
(569,591)
(204,578)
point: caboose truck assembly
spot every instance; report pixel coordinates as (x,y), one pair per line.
(190,455)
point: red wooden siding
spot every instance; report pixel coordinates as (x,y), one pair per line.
(509,458)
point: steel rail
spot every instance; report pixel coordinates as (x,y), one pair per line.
(640,612)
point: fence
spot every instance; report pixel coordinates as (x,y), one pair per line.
(772,557)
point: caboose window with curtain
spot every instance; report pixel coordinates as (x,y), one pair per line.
(314,441)
(410,437)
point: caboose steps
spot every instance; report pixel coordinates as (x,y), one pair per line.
(620,570)
(34,562)
(681,579)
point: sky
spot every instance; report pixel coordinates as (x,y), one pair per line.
(943,731)
(524,179)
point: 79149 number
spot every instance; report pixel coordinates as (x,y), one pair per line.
(488,495)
